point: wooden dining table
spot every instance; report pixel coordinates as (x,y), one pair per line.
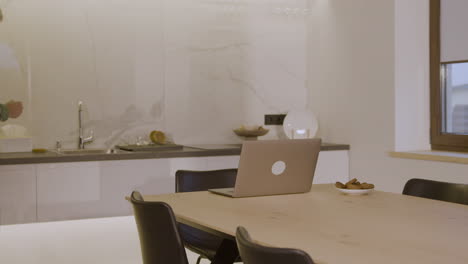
(335,228)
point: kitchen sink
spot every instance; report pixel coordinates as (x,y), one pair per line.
(86,151)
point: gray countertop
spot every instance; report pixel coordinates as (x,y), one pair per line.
(187,151)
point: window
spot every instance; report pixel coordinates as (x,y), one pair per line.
(455,98)
(449,74)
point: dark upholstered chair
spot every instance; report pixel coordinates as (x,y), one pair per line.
(252,253)
(160,239)
(442,191)
(200,242)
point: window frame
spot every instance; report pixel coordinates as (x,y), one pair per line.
(439,139)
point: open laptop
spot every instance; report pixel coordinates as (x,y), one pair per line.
(271,167)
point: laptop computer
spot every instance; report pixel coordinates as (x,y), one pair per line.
(271,167)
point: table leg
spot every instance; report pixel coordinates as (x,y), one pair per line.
(227,252)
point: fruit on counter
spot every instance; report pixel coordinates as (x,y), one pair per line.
(158,137)
(354,184)
(11,109)
(39,150)
(15,108)
(250,128)
(250,131)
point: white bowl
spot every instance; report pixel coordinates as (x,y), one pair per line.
(355,191)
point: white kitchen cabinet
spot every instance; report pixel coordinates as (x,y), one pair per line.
(222,162)
(204,163)
(17,194)
(97,189)
(68,190)
(195,163)
(120,178)
(79,190)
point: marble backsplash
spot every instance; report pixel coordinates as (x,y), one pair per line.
(195,69)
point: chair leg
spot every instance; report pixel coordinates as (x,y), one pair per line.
(199,259)
(227,252)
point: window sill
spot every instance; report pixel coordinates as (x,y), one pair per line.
(432,155)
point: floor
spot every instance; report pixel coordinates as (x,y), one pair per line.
(103,240)
(192,258)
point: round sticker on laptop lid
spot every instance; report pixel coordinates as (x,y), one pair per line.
(278,167)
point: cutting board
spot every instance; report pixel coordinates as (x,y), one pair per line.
(151,147)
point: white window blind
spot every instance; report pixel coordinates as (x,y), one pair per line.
(454,30)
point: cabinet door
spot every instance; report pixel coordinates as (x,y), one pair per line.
(195,163)
(203,163)
(223,162)
(17,194)
(120,178)
(68,191)
(97,189)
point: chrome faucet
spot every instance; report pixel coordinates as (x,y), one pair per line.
(81,139)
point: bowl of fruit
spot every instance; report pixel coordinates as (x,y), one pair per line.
(251,132)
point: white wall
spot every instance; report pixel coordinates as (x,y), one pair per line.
(193,68)
(412,75)
(353,63)
(366,62)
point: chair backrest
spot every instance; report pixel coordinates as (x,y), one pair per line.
(193,181)
(442,191)
(252,253)
(160,240)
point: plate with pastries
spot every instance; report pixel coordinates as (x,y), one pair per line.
(354,187)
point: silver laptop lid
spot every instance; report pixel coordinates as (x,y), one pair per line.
(269,167)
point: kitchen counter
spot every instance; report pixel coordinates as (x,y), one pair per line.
(41,187)
(205,150)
